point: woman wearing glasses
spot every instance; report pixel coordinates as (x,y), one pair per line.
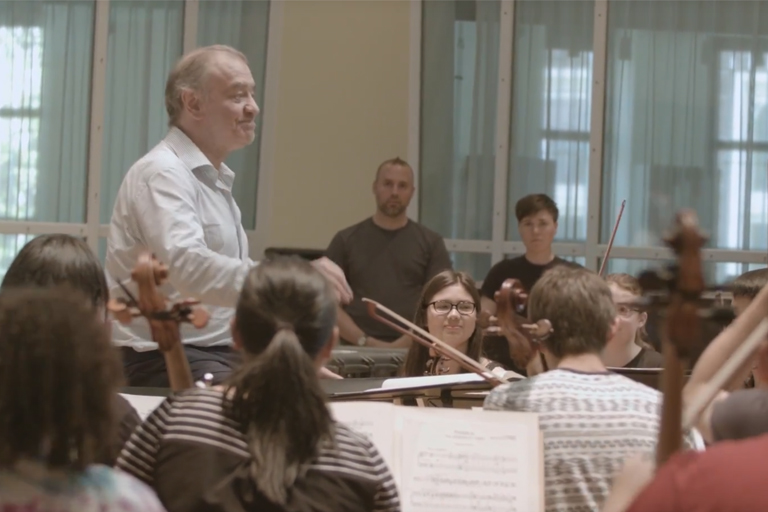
(448,310)
(628,347)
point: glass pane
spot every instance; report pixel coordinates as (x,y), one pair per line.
(687,121)
(102,250)
(45,55)
(10,245)
(475,264)
(242,24)
(145,40)
(551,108)
(716,273)
(460,49)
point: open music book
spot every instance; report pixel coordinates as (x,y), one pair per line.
(455,459)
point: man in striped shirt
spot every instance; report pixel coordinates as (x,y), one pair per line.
(591,418)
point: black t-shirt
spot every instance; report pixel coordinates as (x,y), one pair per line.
(517,268)
(496,347)
(646,359)
(388,266)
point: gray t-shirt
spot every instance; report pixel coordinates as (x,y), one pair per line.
(388,266)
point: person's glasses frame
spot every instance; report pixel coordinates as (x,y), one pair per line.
(444,307)
(625,311)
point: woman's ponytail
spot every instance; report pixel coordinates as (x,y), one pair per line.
(277,398)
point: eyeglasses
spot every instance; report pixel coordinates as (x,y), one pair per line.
(625,311)
(443,307)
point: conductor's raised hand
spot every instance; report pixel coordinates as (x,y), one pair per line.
(336,277)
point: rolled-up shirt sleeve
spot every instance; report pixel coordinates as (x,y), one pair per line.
(171,227)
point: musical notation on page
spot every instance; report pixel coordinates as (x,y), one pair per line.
(459,466)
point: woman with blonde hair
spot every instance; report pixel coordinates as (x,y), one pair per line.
(628,347)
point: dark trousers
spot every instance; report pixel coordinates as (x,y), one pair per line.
(147,369)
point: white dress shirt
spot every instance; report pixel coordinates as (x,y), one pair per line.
(174,203)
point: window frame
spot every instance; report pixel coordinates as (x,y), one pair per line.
(592,250)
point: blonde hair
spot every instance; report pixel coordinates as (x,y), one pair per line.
(630,284)
(189,73)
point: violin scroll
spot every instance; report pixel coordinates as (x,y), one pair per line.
(524,338)
(164,318)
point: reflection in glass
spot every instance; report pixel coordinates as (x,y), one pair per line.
(686,121)
(244,25)
(10,245)
(458,115)
(551,108)
(475,264)
(45,58)
(145,40)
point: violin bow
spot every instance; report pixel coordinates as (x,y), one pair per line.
(613,236)
(432,342)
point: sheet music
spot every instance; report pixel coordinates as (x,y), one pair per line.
(144,404)
(436,380)
(456,462)
(373,419)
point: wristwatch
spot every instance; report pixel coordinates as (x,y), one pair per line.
(362,340)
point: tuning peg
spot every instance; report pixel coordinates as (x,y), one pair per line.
(121,310)
(198,317)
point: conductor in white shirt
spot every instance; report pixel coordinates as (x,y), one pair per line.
(176,201)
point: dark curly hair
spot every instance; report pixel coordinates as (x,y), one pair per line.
(58,375)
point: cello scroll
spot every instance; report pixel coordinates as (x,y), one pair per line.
(524,338)
(164,318)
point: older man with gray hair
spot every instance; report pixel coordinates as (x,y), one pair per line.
(176,201)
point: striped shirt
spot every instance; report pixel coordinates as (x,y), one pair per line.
(195,458)
(591,422)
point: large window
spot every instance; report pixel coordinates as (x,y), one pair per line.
(661,104)
(55,98)
(243,24)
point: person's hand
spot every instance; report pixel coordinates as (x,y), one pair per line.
(634,476)
(336,277)
(325,373)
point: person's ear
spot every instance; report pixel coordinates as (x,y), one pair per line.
(643,319)
(192,102)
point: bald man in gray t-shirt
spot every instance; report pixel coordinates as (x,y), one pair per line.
(387,258)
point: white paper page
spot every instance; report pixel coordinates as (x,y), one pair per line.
(455,460)
(144,404)
(373,419)
(437,380)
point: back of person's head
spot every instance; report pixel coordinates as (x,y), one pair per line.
(749,284)
(285,323)
(533,204)
(580,307)
(190,73)
(418,354)
(58,260)
(58,376)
